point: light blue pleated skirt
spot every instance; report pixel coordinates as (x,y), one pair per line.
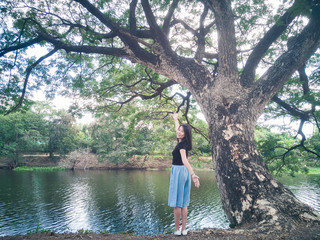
(179,188)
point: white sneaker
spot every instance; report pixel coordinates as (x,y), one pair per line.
(185,232)
(177,233)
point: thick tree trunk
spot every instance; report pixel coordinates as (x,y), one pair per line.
(250,195)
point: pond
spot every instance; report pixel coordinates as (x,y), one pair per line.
(114,201)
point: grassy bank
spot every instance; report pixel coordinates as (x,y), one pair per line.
(27,168)
(314,171)
(141,162)
(90,161)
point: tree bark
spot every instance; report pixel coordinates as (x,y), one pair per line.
(250,195)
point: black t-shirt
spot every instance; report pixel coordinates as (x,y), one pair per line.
(177,160)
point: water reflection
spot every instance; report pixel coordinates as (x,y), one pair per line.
(305,188)
(112,201)
(77,206)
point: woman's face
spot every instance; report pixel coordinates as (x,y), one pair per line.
(180,133)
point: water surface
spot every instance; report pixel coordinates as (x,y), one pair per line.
(113,201)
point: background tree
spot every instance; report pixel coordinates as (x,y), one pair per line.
(298,101)
(63,133)
(79,159)
(21,133)
(198,44)
(117,143)
(278,153)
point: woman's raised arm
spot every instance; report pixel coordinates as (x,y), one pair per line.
(176,122)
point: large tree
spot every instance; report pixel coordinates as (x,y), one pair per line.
(212,48)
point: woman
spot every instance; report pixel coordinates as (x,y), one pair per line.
(181,175)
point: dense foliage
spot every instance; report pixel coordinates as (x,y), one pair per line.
(21,133)
(111,138)
(34,27)
(49,45)
(33,132)
(117,139)
(284,153)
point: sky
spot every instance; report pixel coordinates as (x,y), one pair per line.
(61,102)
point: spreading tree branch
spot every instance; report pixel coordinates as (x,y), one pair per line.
(29,43)
(247,77)
(112,51)
(168,17)
(224,20)
(136,94)
(133,49)
(291,109)
(201,36)
(294,111)
(303,46)
(301,144)
(304,79)
(186,102)
(132,17)
(28,72)
(159,35)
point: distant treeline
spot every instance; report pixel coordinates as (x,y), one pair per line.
(116,139)
(57,134)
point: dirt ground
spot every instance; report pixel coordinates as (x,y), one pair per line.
(299,233)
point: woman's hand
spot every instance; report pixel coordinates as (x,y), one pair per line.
(176,121)
(196,180)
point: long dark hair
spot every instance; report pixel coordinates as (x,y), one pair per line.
(187,135)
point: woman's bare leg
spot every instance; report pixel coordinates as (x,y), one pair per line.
(184,214)
(177,216)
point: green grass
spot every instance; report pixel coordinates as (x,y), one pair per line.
(40,230)
(84,231)
(47,169)
(314,171)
